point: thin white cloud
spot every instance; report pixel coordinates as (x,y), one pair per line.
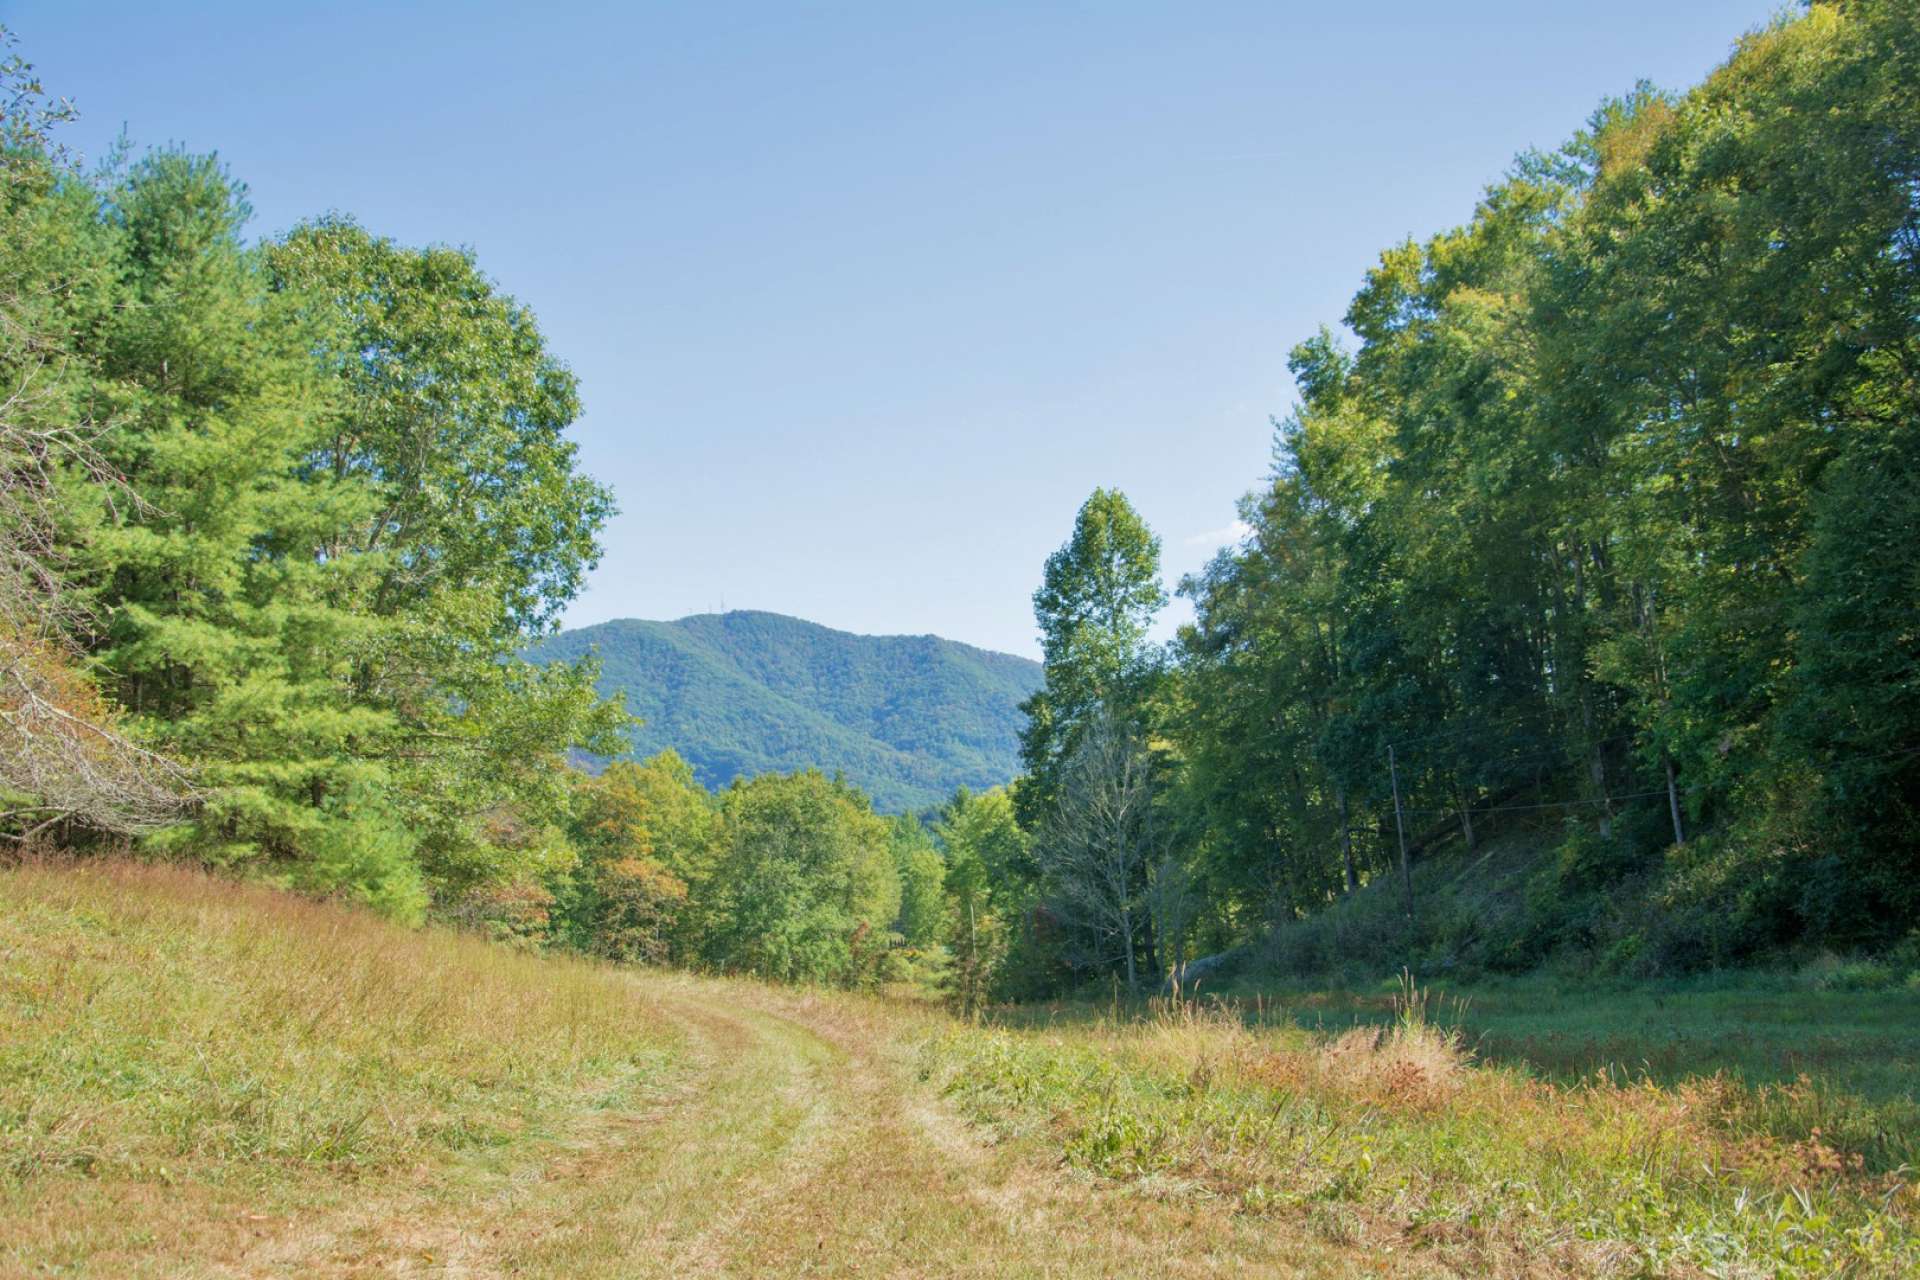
(1214,539)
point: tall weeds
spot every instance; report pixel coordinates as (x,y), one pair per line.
(153,1016)
(1394,1137)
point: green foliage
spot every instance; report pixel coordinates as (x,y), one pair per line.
(990,883)
(645,835)
(63,758)
(226,639)
(370,859)
(1609,516)
(1111,886)
(452,409)
(786,876)
(804,886)
(907,718)
(1854,697)
(923,873)
(1097,599)
(332,500)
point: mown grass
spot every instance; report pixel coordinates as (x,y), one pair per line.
(181,1053)
(1396,1137)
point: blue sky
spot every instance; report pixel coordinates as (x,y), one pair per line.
(866,298)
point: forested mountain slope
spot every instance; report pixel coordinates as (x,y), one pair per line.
(907,718)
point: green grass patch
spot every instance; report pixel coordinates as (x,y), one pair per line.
(1379,1126)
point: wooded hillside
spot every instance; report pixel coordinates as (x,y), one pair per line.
(1600,515)
(906,718)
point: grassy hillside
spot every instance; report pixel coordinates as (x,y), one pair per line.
(199,1078)
(908,718)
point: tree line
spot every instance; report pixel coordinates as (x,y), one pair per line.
(1606,512)
(785,876)
(279,519)
(1602,512)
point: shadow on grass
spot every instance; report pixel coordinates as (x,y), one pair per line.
(1842,1065)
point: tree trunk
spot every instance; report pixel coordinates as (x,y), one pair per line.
(1346,843)
(1400,829)
(1673,800)
(972,979)
(1598,768)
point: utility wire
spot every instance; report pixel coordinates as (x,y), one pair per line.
(1560,753)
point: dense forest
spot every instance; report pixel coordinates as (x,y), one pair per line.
(1605,515)
(1601,515)
(906,718)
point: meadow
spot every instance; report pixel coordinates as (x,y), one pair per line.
(196,1072)
(1762,1029)
(1563,1133)
(204,1078)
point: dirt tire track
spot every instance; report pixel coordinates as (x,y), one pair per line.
(796,1140)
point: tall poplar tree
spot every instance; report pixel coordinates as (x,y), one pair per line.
(1097,600)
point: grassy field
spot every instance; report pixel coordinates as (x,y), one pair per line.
(1371,1121)
(194,1073)
(1851,1057)
(204,1079)
(1757,1029)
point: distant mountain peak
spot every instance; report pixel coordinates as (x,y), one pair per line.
(907,718)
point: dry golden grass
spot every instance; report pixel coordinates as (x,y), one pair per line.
(1392,1139)
(203,1079)
(190,1069)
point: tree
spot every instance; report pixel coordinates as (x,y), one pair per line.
(448,415)
(923,904)
(226,635)
(63,755)
(323,616)
(1852,712)
(1101,840)
(1096,602)
(450,408)
(645,833)
(991,882)
(804,885)
(1606,512)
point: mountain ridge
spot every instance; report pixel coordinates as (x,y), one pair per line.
(906,717)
